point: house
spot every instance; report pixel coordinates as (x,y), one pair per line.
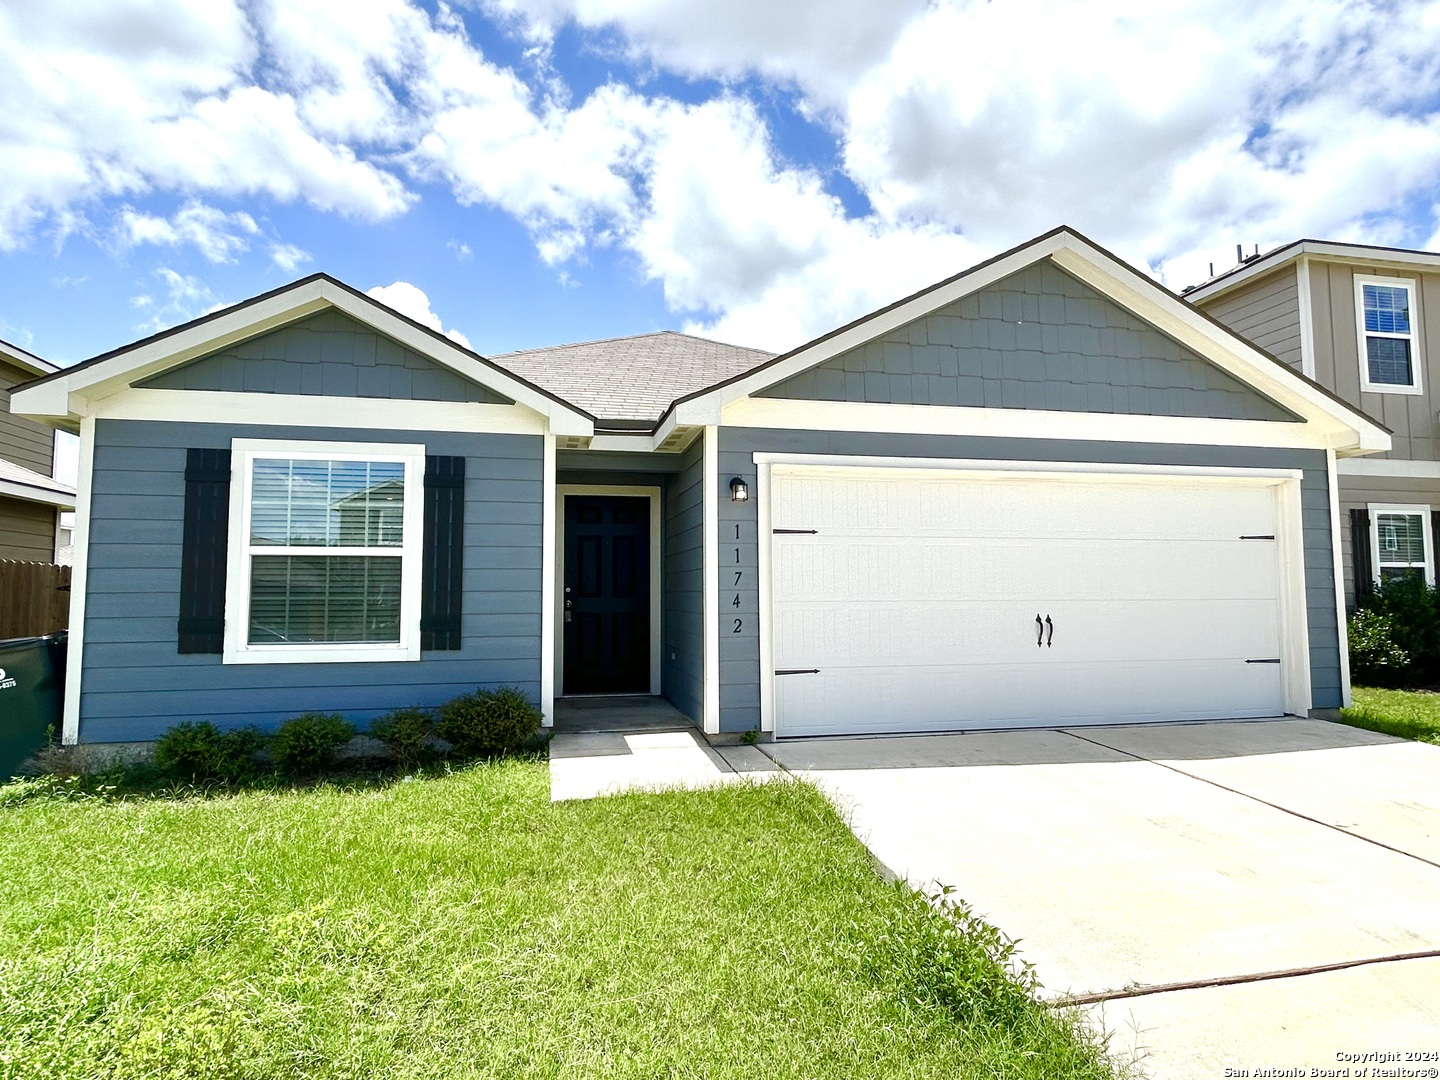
(1364,322)
(31,499)
(1045,490)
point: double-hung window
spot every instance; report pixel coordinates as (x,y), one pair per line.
(1385,315)
(325,543)
(1401,540)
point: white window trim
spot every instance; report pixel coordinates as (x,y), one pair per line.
(1416,365)
(1375,510)
(237,649)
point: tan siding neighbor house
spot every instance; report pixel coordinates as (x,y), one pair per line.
(31,499)
(1363,322)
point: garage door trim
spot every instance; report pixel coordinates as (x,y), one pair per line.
(1295,651)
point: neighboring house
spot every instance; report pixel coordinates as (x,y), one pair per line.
(1043,491)
(31,499)
(1364,322)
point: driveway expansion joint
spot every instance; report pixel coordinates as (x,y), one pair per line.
(1071,1000)
(1255,798)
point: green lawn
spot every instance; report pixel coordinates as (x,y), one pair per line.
(462,926)
(1410,714)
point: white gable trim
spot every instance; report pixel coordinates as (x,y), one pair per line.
(72,394)
(1331,422)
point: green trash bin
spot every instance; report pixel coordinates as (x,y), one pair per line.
(32,691)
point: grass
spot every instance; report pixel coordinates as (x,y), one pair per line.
(461,925)
(1409,714)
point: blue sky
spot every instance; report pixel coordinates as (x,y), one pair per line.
(527,172)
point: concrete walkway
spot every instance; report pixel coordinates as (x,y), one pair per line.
(1132,859)
(584,765)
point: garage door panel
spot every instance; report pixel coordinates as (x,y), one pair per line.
(986,508)
(965,568)
(916,596)
(882,699)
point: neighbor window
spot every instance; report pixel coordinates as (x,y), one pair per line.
(324,552)
(1401,541)
(1385,314)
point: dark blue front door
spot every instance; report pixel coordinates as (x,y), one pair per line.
(606,609)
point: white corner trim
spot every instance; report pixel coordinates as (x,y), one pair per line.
(1402,467)
(765,609)
(1294,623)
(711,493)
(305,410)
(1307,316)
(1022,424)
(548,654)
(657,579)
(237,647)
(1341,619)
(1417,359)
(1420,510)
(79,574)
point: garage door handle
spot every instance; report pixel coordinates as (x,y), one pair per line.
(1050,638)
(1039,631)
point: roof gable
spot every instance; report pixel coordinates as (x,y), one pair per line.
(1038,339)
(327,353)
(66,395)
(1329,419)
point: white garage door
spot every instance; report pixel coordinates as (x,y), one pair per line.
(917,601)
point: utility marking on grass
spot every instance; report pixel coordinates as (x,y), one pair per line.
(1256,798)
(1236,980)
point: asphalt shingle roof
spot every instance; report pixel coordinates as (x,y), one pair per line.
(18,474)
(631,378)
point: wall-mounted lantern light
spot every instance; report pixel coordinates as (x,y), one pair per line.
(739,490)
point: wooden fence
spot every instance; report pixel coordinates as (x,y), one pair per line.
(34,599)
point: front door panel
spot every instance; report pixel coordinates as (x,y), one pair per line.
(606,598)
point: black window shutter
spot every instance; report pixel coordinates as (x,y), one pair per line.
(1360,554)
(442,563)
(201,628)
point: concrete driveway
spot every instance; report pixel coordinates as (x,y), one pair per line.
(1230,895)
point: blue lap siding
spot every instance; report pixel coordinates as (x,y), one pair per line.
(740,651)
(136,684)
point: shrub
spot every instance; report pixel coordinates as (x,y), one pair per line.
(199,750)
(406,734)
(308,742)
(488,722)
(1410,610)
(1375,658)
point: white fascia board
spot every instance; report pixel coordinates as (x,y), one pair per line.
(1320,251)
(69,395)
(1339,426)
(1406,468)
(1221,347)
(72,394)
(1019,423)
(303,410)
(25,361)
(26,493)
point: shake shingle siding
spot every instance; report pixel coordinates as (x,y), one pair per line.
(1039,339)
(136,684)
(330,354)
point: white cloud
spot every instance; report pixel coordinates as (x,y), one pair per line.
(410,300)
(460,250)
(288,257)
(186,297)
(218,236)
